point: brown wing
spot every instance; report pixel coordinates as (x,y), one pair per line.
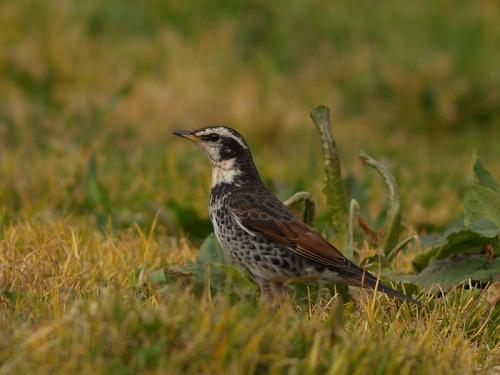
(259,212)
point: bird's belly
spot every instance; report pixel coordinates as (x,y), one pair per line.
(262,258)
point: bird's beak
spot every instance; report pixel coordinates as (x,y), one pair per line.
(187,135)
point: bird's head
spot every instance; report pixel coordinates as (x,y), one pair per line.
(227,150)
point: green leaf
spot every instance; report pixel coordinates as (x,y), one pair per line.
(214,268)
(486,228)
(158,276)
(211,252)
(456,241)
(457,268)
(333,189)
(482,176)
(481,219)
(481,202)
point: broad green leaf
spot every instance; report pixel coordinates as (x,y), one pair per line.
(486,228)
(211,252)
(158,276)
(457,268)
(481,202)
(212,266)
(482,176)
(456,241)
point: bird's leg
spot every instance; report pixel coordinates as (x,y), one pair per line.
(266,292)
(279,290)
(272,293)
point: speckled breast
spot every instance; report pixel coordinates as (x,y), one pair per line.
(261,257)
(232,238)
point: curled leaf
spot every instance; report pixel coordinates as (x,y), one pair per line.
(309,210)
(334,189)
(392,227)
(392,255)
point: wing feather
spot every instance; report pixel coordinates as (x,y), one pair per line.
(262,213)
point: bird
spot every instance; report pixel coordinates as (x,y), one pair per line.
(259,233)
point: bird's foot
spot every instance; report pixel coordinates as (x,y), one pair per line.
(272,293)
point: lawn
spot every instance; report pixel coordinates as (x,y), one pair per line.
(102,209)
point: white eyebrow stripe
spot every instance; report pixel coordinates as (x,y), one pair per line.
(223,132)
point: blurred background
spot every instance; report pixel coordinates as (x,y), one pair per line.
(91,90)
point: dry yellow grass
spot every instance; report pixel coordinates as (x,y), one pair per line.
(83,303)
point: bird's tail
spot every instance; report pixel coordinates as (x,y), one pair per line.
(367,280)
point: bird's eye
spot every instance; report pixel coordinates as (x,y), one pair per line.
(213,137)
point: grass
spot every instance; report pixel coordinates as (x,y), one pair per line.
(84,303)
(95,193)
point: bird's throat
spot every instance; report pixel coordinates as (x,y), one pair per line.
(225,172)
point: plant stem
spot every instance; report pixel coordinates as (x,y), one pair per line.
(353,215)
